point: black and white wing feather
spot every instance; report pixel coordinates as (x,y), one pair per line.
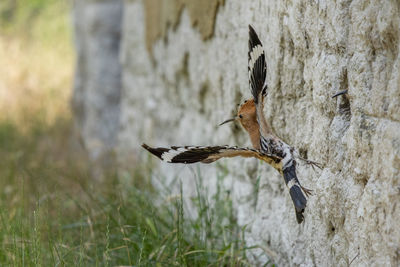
(257,67)
(206,154)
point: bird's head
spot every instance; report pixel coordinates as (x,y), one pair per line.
(246,115)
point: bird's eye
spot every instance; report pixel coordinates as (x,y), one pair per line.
(245,101)
(241,116)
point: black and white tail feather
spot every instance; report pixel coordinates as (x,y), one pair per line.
(295,191)
(257,68)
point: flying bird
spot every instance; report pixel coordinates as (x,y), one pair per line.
(266,145)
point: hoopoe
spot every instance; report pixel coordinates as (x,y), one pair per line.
(266,145)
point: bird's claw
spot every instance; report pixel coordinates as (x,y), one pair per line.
(306,191)
(312,163)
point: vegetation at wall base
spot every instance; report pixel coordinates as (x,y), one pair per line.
(51,214)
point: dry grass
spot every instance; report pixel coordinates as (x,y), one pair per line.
(33,80)
(36,68)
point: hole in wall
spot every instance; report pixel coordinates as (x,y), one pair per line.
(331,229)
(344,103)
(303,153)
(364,182)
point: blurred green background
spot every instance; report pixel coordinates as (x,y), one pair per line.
(51,212)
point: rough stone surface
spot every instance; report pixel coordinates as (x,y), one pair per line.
(314,49)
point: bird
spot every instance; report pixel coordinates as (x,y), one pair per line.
(267,146)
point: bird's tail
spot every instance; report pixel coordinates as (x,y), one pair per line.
(295,191)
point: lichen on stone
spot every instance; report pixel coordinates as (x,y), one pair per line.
(163,14)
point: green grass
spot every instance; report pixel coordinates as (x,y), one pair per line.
(24,16)
(51,214)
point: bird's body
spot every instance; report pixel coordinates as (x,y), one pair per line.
(266,145)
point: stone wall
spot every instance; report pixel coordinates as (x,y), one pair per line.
(96,99)
(184,72)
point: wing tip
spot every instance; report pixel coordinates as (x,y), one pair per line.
(254,40)
(148,148)
(155,151)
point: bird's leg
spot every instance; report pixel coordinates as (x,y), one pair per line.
(306,191)
(312,163)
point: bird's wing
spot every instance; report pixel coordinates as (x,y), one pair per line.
(257,67)
(258,79)
(208,154)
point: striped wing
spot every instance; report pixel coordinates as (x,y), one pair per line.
(207,154)
(257,67)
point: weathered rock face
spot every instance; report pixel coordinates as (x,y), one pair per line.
(179,90)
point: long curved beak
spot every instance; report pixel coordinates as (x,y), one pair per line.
(230,120)
(340,93)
